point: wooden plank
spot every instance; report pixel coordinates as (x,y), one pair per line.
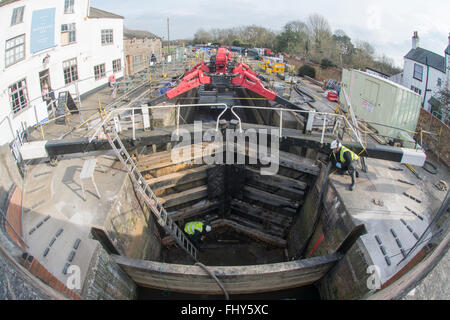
(280,181)
(266,228)
(275,184)
(268,198)
(185,196)
(167,163)
(178,178)
(168,169)
(162,159)
(261,213)
(163,156)
(284,159)
(298,163)
(163,193)
(195,210)
(256,234)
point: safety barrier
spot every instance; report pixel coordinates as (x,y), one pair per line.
(311,116)
(178,116)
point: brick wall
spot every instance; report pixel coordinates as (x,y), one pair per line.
(13,225)
(141,47)
(437,145)
(38,270)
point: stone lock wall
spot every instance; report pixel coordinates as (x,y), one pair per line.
(438,143)
(131,227)
(348,278)
(106,280)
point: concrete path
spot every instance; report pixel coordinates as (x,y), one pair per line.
(57,220)
(392,219)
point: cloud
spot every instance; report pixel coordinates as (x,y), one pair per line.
(374,18)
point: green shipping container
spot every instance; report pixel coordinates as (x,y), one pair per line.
(379,100)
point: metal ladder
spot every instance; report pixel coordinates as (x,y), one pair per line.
(149,197)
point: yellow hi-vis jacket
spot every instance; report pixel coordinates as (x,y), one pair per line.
(341,154)
(190,227)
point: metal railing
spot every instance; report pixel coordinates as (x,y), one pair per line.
(310,115)
(177,119)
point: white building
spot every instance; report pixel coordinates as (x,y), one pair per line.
(425,72)
(62,45)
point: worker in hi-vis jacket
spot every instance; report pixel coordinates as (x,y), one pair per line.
(345,160)
(196,232)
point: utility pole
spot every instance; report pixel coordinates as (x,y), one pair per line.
(168,36)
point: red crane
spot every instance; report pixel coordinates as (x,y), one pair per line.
(222,71)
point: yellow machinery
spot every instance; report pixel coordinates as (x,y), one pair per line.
(270,66)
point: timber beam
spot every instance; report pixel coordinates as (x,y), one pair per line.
(163,135)
(178,178)
(235,279)
(270,199)
(195,210)
(176,199)
(260,213)
(279,181)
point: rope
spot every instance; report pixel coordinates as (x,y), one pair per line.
(435,171)
(215,278)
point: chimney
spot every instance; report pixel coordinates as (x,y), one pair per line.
(415,40)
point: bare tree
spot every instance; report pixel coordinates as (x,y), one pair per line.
(343,46)
(319,28)
(320,35)
(202,36)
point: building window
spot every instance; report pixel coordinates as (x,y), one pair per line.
(17,16)
(15,50)
(99,71)
(107,36)
(416,90)
(418,72)
(18,96)
(68,6)
(68,34)
(137,61)
(117,65)
(70,71)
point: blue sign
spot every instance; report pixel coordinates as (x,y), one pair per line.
(42,35)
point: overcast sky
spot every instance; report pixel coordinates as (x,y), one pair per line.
(386,24)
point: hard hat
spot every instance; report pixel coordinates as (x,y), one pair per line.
(335,144)
(208,228)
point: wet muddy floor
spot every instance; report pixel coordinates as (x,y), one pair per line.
(228,248)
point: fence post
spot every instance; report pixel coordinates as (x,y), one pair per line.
(132,119)
(281,123)
(310,122)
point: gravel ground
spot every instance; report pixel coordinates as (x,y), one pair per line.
(435,286)
(14,285)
